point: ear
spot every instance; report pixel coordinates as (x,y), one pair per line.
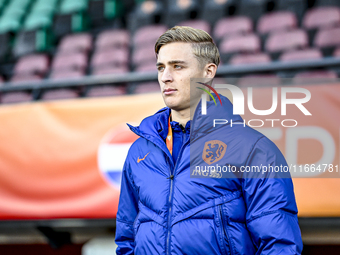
(210,70)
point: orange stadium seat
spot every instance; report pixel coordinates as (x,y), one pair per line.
(297,55)
(116,38)
(76,42)
(278,42)
(277,21)
(76,60)
(28,77)
(147,87)
(148,35)
(317,18)
(56,94)
(249,59)
(230,26)
(110,70)
(106,90)
(111,56)
(66,74)
(336,52)
(16,97)
(32,64)
(148,67)
(143,55)
(249,43)
(320,17)
(327,39)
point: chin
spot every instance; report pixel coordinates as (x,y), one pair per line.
(176,107)
(170,103)
(172,106)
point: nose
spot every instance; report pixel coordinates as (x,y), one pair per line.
(166,76)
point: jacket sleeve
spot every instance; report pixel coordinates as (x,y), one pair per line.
(127,212)
(271,208)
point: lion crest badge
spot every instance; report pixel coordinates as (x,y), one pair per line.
(213,151)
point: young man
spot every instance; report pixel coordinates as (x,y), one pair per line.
(162,209)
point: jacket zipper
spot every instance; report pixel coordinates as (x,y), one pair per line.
(171,185)
(170,195)
(225,230)
(169,214)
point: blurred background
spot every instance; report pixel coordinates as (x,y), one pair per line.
(73,72)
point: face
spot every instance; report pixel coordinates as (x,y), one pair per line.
(176,64)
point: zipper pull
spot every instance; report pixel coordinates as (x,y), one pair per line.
(183,128)
(171,177)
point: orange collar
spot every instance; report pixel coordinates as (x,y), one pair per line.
(169,138)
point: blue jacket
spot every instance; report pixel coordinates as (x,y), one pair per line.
(164,210)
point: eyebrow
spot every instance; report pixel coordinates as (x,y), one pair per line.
(172,62)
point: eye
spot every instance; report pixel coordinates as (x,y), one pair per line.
(160,68)
(178,67)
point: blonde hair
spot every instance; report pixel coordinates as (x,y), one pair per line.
(203,46)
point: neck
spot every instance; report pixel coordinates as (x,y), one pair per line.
(182,117)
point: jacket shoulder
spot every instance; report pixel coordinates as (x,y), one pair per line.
(136,146)
(256,139)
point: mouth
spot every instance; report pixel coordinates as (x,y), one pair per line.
(169,91)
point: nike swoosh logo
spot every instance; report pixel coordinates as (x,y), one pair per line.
(140,159)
